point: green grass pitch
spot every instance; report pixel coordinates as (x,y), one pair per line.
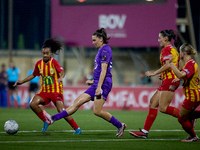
(165,134)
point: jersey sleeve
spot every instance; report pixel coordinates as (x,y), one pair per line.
(36,71)
(166,53)
(189,69)
(106,56)
(57,66)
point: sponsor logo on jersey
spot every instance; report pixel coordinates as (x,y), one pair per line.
(104,57)
(172,87)
(166,57)
(51,71)
(187,71)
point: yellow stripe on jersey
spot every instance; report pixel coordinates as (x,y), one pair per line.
(169,73)
(186,93)
(43,83)
(46,79)
(56,80)
(191,86)
(175,56)
(194,82)
(52,82)
(197,93)
(175,62)
(192,95)
(61,87)
(41,78)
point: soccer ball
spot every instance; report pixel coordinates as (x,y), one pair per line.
(11,127)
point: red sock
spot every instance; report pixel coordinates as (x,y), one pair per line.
(172,111)
(73,124)
(41,116)
(187,126)
(150,118)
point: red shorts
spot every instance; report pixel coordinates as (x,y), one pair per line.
(48,97)
(168,85)
(190,105)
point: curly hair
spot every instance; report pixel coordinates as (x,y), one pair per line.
(54,45)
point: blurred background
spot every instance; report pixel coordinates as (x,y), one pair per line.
(133,26)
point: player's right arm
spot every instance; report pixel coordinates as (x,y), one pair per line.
(30,77)
(166,66)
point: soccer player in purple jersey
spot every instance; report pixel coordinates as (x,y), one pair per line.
(100,86)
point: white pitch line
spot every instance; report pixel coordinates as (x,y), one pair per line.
(98,140)
(177,130)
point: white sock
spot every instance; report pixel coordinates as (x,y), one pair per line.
(144,131)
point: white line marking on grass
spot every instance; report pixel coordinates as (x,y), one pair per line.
(98,140)
(103,131)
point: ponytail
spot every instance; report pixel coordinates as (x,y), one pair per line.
(102,33)
(171,35)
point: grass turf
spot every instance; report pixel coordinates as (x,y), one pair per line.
(166,132)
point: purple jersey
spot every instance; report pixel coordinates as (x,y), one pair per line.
(104,55)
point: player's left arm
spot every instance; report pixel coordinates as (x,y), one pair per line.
(104,67)
(62,75)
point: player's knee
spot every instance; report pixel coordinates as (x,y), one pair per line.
(153,105)
(150,104)
(32,104)
(97,113)
(162,109)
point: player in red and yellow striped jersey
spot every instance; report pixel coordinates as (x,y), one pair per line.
(51,84)
(164,94)
(165,52)
(191,90)
(50,73)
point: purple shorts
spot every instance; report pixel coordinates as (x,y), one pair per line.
(106,88)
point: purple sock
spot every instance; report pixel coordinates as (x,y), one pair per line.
(115,122)
(60,115)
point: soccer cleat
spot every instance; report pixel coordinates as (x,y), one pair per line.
(45,127)
(191,139)
(48,116)
(139,134)
(120,131)
(78,131)
(49,123)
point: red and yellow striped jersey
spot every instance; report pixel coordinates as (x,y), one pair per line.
(164,55)
(49,72)
(191,86)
